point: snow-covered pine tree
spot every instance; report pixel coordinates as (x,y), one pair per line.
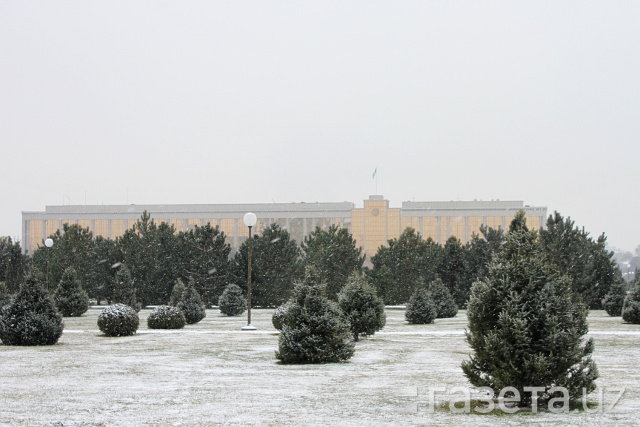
(614,299)
(452,270)
(402,264)
(442,299)
(31,317)
(191,304)
(276,267)
(420,309)
(314,328)
(232,302)
(362,306)
(631,308)
(525,329)
(5,297)
(335,254)
(123,290)
(70,298)
(176,293)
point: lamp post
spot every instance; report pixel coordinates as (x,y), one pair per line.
(250,220)
(49,244)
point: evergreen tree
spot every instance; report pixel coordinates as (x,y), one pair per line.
(631,307)
(191,304)
(30,318)
(479,251)
(335,255)
(400,266)
(207,260)
(72,247)
(5,296)
(442,300)
(13,264)
(524,327)
(176,293)
(155,258)
(70,298)
(361,305)
(614,300)
(588,263)
(452,270)
(603,271)
(314,329)
(123,289)
(276,267)
(102,273)
(420,309)
(232,302)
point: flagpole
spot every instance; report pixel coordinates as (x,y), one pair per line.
(375,178)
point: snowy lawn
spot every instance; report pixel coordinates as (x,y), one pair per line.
(213,373)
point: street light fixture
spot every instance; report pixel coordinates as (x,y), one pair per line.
(49,244)
(250,219)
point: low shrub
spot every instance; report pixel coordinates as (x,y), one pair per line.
(420,309)
(118,320)
(279,315)
(191,304)
(232,302)
(631,308)
(631,311)
(30,318)
(166,317)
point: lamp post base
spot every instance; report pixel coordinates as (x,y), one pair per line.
(249,328)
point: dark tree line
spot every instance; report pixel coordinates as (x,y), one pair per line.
(157,256)
(409,262)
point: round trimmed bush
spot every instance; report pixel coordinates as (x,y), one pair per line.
(166,317)
(118,320)
(191,304)
(30,318)
(631,311)
(231,302)
(420,309)
(279,315)
(631,308)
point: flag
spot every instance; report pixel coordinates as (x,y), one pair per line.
(375,172)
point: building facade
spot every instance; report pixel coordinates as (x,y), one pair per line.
(371,225)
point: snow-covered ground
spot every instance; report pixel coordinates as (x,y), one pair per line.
(214,373)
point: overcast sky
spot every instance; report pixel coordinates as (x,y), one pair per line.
(261,101)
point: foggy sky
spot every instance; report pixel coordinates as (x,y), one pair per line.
(274,101)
